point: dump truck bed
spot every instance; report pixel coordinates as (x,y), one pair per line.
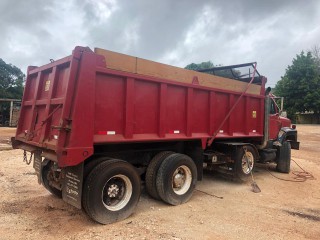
(85,99)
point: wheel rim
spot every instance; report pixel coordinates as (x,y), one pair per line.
(181,180)
(248,156)
(117,192)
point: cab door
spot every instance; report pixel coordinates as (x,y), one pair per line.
(275,122)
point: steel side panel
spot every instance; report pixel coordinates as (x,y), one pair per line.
(159,111)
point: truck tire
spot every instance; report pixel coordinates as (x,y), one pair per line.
(176,179)
(242,171)
(284,158)
(111,191)
(151,174)
(88,167)
(46,174)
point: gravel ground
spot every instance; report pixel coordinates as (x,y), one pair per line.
(283,210)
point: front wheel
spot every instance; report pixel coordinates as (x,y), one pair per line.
(284,157)
(244,162)
(111,191)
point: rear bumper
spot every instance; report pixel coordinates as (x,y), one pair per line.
(65,157)
(16,144)
(49,154)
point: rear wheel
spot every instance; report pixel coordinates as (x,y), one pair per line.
(176,179)
(151,174)
(48,175)
(88,167)
(111,191)
(244,163)
(284,158)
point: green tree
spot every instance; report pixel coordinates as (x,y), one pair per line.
(300,85)
(198,66)
(11,81)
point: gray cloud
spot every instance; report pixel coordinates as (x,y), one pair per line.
(174,32)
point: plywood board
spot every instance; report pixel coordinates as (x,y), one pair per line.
(118,61)
(141,66)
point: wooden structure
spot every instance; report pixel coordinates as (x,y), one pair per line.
(126,63)
(307,118)
(14,112)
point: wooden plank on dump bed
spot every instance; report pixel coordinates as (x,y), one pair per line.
(118,61)
(122,62)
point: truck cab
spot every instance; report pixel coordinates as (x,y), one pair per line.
(280,127)
(277,118)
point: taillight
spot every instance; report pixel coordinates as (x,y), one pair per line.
(293,126)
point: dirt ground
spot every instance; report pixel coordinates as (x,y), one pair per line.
(283,210)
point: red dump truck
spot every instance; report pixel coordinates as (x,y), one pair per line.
(99,123)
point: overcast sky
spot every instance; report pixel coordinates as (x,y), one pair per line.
(174,32)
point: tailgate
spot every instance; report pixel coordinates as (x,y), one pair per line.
(44,104)
(48,106)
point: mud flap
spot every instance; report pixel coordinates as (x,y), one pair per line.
(37,165)
(72,185)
